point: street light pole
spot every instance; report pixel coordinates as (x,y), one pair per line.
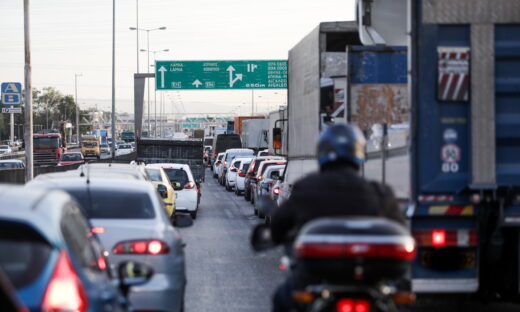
(113,77)
(137,33)
(28,127)
(77,104)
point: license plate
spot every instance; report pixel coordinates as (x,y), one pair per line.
(448,259)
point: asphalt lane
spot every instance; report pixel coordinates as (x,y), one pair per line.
(224,274)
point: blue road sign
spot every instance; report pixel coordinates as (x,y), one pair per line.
(11,93)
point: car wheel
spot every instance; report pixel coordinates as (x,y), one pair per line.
(194,214)
(237,192)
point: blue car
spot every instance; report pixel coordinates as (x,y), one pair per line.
(51,256)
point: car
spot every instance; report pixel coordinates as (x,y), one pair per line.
(264,186)
(188,192)
(131,223)
(5,149)
(229,155)
(251,173)
(264,152)
(71,158)
(164,186)
(123,149)
(135,171)
(105,148)
(259,176)
(11,164)
(217,165)
(241,176)
(232,173)
(50,254)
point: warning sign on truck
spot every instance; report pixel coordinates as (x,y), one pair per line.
(453,73)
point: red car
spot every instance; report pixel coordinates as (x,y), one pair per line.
(71,158)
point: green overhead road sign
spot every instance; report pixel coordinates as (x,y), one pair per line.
(212,75)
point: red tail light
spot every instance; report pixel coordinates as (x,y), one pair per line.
(404,251)
(353,305)
(98,230)
(241,173)
(446,238)
(276,191)
(141,247)
(259,178)
(189,185)
(65,291)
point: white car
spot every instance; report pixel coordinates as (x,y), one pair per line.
(124,149)
(217,166)
(231,154)
(11,164)
(241,176)
(188,194)
(232,173)
(5,149)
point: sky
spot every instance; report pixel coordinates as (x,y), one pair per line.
(70,37)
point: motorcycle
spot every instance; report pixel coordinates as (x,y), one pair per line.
(357,263)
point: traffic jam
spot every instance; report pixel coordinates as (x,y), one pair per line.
(364,160)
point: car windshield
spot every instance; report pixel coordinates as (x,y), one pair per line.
(27,256)
(232,155)
(177,175)
(245,166)
(236,164)
(220,157)
(109,204)
(89,144)
(70,157)
(126,146)
(9,165)
(154,174)
(46,142)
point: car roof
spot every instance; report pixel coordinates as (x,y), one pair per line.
(242,159)
(11,160)
(95,182)
(276,167)
(238,150)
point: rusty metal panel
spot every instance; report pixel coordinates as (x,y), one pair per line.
(483,104)
(471,11)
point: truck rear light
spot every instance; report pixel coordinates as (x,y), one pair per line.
(446,238)
(65,291)
(141,247)
(353,305)
(189,185)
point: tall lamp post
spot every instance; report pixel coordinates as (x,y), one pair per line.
(77,104)
(155,91)
(148,30)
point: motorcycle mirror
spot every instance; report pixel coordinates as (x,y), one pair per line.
(261,238)
(132,273)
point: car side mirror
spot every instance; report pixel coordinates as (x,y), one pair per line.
(163,191)
(177,186)
(261,238)
(132,273)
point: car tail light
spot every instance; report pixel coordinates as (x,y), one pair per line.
(439,238)
(65,291)
(241,173)
(353,305)
(259,178)
(98,230)
(276,191)
(141,247)
(189,185)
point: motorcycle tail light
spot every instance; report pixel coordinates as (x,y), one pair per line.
(353,305)
(141,247)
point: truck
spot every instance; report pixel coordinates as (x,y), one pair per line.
(465,148)
(277,132)
(47,148)
(91,146)
(179,151)
(238,122)
(254,134)
(333,78)
(103,134)
(198,134)
(128,136)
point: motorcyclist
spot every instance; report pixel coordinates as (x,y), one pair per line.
(336,190)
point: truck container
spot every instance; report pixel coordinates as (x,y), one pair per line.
(332,78)
(465,95)
(239,120)
(254,133)
(186,151)
(222,142)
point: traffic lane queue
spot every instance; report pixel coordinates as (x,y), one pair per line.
(135,236)
(253,176)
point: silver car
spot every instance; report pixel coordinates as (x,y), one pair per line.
(131,223)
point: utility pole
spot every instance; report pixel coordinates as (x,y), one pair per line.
(137,31)
(113,78)
(28,127)
(77,104)
(252,102)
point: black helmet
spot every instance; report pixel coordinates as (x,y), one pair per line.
(341,143)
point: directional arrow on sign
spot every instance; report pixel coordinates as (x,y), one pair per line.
(197,83)
(162,70)
(232,81)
